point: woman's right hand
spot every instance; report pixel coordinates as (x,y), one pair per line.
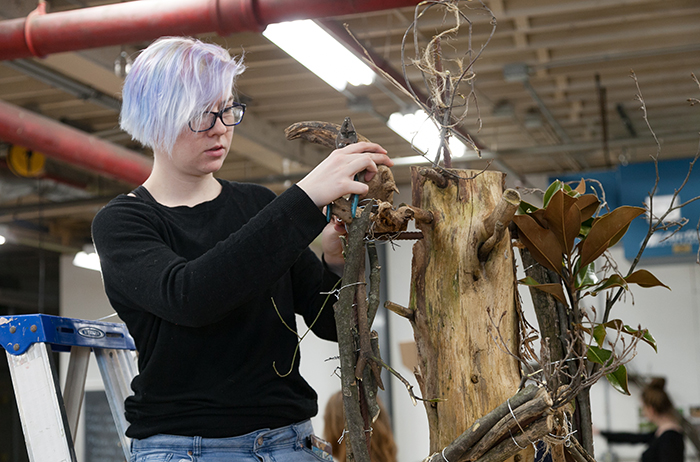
(334,177)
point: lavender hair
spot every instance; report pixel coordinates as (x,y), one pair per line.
(173,81)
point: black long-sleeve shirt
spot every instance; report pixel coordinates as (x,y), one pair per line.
(667,447)
(197,287)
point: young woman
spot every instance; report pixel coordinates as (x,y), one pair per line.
(208,273)
(666,443)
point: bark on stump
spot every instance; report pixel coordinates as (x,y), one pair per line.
(456,299)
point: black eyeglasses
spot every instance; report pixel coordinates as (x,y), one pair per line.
(230,116)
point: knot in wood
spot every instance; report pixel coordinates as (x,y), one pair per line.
(475,378)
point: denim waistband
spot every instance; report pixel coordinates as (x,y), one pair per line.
(291,435)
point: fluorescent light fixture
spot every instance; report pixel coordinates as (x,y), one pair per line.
(418,129)
(322,54)
(87,258)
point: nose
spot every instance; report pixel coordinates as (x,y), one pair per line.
(219,128)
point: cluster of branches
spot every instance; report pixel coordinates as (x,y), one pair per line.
(560,244)
(448,82)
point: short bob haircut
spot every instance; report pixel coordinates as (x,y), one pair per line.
(171,82)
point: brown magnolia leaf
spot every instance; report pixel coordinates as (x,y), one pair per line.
(541,242)
(539,216)
(603,230)
(581,188)
(588,204)
(616,238)
(555,290)
(644,278)
(564,219)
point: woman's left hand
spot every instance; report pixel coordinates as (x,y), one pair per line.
(332,246)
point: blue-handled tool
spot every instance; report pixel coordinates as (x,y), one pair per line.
(346,135)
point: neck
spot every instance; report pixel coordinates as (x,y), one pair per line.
(666,422)
(173,189)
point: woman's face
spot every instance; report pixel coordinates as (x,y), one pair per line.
(648,412)
(202,153)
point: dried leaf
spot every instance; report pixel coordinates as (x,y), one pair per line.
(588,205)
(604,229)
(644,278)
(540,241)
(581,188)
(616,238)
(539,216)
(563,219)
(556,290)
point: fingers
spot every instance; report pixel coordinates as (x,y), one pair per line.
(335,176)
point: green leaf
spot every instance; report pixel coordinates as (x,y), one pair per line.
(613,281)
(540,241)
(554,187)
(586,228)
(599,334)
(644,334)
(587,277)
(555,290)
(644,278)
(526,207)
(599,355)
(618,380)
(604,229)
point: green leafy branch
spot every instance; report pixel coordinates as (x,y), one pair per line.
(567,237)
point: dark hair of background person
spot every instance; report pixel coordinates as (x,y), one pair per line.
(382,446)
(656,398)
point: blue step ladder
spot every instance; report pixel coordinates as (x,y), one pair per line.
(49,417)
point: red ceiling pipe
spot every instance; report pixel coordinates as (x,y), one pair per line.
(40,34)
(59,141)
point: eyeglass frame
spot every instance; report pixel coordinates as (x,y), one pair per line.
(220,115)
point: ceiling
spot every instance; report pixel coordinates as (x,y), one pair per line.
(552,94)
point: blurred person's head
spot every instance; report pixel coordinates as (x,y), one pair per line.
(655,401)
(382,446)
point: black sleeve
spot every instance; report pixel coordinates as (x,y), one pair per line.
(313,283)
(671,447)
(140,270)
(630,438)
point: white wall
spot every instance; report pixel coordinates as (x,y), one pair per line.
(673,318)
(82,297)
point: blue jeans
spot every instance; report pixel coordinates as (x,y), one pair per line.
(286,444)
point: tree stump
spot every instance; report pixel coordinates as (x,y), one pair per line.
(463,308)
